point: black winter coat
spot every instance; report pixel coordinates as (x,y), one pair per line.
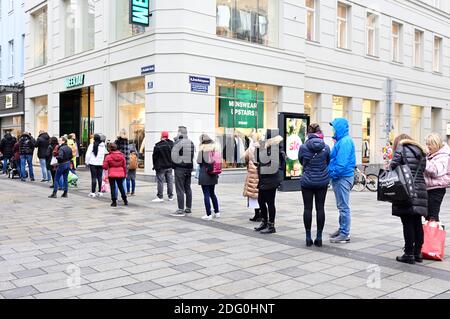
(162,155)
(205,179)
(124,147)
(270,172)
(180,158)
(314,156)
(26,145)
(64,154)
(42,143)
(416,160)
(7,145)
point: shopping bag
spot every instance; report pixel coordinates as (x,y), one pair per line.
(105,183)
(72,178)
(392,185)
(434,241)
(54,161)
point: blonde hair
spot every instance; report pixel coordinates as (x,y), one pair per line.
(434,142)
(123,133)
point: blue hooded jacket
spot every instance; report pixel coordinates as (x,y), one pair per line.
(343,156)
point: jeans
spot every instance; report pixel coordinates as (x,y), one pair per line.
(5,163)
(45,173)
(320,196)
(164,175)
(435,198)
(342,188)
(183,187)
(26,159)
(266,200)
(120,185)
(96,178)
(131,181)
(208,196)
(413,234)
(62,171)
(123,181)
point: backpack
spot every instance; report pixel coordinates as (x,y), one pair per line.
(215,166)
(133,161)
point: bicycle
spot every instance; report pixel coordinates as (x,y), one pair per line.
(365,181)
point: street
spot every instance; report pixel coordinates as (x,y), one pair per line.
(82,248)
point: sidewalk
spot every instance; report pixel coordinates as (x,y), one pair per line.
(143,252)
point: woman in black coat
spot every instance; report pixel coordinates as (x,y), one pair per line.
(409,152)
(314,156)
(271,164)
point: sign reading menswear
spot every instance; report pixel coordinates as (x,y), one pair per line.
(139,12)
(241,108)
(73,81)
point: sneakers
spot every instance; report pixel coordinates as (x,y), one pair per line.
(188,211)
(53,195)
(179,213)
(206,217)
(158,200)
(170,199)
(217,215)
(341,239)
(92,195)
(99,195)
(336,233)
(132,194)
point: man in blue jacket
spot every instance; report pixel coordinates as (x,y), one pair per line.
(342,173)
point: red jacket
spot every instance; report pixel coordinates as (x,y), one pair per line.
(116,165)
(16,152)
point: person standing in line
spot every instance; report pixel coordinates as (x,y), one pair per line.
(163,165)
(271,163)
(131,175)
(26,149)
(183,161)
(78,150)
(73,145)
(342,173)
(207,179)
(6,148)
(314,156)
(123,146)
(64,156)
(437,175)
(42,143)
(16,158)
(252,180)
(52,147)
(116,166)
(409,152)
(95,156)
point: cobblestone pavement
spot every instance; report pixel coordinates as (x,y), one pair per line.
(82,248)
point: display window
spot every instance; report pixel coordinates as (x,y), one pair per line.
(368,131)
(416,123)
(243,109)
(311,106)
(340,107)
(41,114)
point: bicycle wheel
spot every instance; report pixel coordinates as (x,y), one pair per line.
(360,182)
(372,183)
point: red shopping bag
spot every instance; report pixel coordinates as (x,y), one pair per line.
(105,182)
(434,241)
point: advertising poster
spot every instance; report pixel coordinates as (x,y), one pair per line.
(295,136)
(243,110)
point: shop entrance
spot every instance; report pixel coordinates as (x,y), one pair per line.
(77,116)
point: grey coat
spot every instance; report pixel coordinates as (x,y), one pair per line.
(204,178)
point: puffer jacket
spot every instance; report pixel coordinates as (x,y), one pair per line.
(252,180)
(314,156)
(411,153)
(7,145)
(116,165)
(270,173)
(42,143)
(204,178)
(437,174)
(26,145)
(343,155)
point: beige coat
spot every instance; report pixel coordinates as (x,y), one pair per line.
(252,180)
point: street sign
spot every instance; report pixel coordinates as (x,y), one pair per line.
(148,69)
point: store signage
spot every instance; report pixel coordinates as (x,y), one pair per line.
(241,108)
(148,69)
(74,81)
(199,84)
(150,85)
(295,136)
(139,12)
(9,101)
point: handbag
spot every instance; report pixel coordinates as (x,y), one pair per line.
(434,241)
(54,161)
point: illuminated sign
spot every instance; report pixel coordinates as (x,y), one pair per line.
(139,12)
(73,81)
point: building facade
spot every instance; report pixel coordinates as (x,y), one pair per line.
(12,56)
(229,67)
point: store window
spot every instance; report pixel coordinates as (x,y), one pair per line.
(123,27)
(416,123)
(340,106)
(311,106)
(369,133)
(79,26)
(372,34)
(40,114)
(254,21)
(131,105)
(40,37)
(243,109)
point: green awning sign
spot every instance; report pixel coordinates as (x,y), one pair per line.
(241,108)
(139,12)
(74,81)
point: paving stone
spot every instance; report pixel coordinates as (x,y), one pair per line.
(178,279)
(366,292)
(208,282)
(113,283)
(29,273)
(277,256)
(202,295)
(108,294)
(327,289)
(6,285)
(294,272)
(238,275)
(287,286)
(188,267)
(238,286)
(339,271)
(155,274)
(314,278)
(106,275)
(50,256)
(171,292)
(19,292)
(433,285)
(141,287)
(409,278)
(302,294)
(410,293)
(259,293)
(271,278)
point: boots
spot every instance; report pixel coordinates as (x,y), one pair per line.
(114,203)
(125,202)
(418,255)
(64,195)
(407,259)
(262,226)
(270,229)
(53,195)
(257,217)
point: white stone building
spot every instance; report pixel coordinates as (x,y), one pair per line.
(89,70)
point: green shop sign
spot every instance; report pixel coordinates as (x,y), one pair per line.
(240,108)
(73,81)
(139,12)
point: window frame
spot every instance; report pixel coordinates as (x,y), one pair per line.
(437,58)
(375,30)
(315,14)
(421,48)
(347,22)
(399,38)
